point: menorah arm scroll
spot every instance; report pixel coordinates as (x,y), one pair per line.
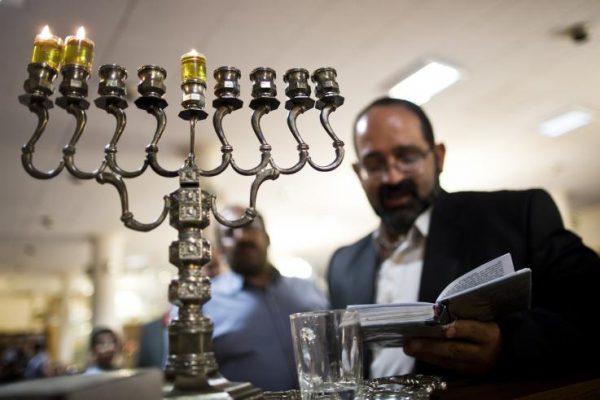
(152,148)
(338,145)
(225,149)
(250,212)
(69,150)
(111,149)
(40,108)
(126,215)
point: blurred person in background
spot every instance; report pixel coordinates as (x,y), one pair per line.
(38,365)
(105,347)
(12,364)
(250,306)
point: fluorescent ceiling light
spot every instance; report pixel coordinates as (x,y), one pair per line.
(422,85)
(12,3)
(565,122)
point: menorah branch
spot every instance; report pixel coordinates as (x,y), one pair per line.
(257,115)
(152,148)
(28,149)
(218,117)
(337,143)
(250,213)
(264,175)
(302,146)
(126,215)
(111,149)
(265,148)
(152,88)
(69,150)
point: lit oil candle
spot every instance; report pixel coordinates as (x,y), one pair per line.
(79,50)
(47,49)
(193,67)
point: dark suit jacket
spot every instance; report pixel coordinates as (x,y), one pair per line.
(470,228)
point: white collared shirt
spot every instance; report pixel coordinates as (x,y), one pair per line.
(398,281)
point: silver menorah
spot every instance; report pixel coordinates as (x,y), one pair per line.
(191,366)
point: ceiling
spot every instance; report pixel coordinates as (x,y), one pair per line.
(519,68)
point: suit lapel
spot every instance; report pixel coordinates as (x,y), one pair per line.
(444,241)
(363,274)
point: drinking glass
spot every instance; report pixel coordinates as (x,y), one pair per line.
(328,353)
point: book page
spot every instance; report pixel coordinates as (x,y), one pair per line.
(496,268)
(392,335)
(392,314)
(388,324)
(493,299)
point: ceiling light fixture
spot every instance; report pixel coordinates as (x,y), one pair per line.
(12,3)
(565,122)
(420,86)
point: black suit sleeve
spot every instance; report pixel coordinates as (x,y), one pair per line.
(559,332)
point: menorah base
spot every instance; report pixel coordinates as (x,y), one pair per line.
(218,388)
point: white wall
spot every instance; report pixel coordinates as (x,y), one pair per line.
(18,314)
(587,225)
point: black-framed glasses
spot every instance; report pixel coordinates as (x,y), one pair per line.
(407,160)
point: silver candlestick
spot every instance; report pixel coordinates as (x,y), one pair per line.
(191,364)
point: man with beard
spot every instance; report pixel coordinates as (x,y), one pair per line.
(250,307)
(428,237)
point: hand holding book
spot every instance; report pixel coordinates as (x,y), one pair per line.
(485,293)
(467,347)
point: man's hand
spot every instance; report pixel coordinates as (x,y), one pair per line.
(469,347)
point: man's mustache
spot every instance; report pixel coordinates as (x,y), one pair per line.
(405,187)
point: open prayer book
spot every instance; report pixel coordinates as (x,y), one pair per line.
(485,293)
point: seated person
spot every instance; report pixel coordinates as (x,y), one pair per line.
(250,308)
(104,347)
(38,365)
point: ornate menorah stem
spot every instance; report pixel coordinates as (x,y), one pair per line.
(191,362)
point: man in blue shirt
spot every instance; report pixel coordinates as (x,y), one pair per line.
(250,308)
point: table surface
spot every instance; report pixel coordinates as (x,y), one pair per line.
(583,386)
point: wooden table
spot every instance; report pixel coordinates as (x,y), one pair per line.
(582,386)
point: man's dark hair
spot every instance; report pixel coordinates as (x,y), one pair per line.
(426,127)
(94,339)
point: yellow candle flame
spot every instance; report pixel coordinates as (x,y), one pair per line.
(80,33)
(45,33)
(192,53)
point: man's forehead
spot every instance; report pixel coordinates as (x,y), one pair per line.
(393,117)
(388,126)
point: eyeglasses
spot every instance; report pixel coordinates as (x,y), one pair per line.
(406,160)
